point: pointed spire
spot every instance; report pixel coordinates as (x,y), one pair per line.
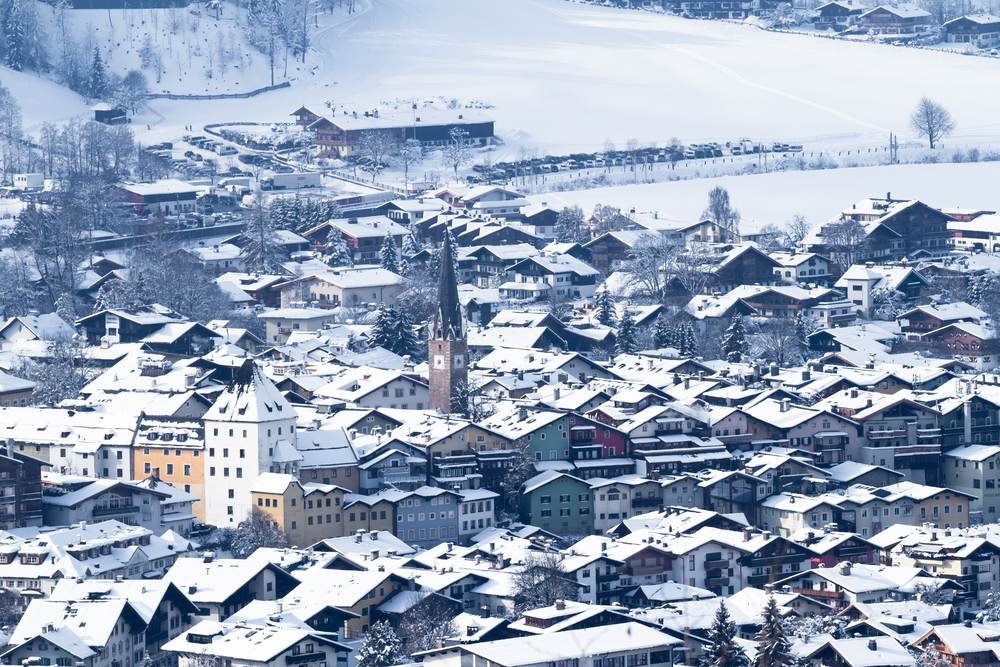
(448,323)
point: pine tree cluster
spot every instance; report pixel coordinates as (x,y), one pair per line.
(734,342)
(300,214)
(393,330)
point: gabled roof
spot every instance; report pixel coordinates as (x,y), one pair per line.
(250,398)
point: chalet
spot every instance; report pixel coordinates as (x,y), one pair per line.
(926,318)
(743,265)
(488,265)
(613,247)
(904,19)
(828,548)
(306,116)
(185,338)
(804,267)
(541,219)
(561,276)
(221,587)
(863,283)
(972,343)
(963,644)
(343,287)
(120,326)
(980,30)
(340,136)
(831,436)
(920,226)
(837,15)
(980,233)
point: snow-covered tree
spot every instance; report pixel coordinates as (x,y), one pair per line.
(663,334)
(384,329)
(723,651)
(991,613)
(721,212)
(98,75)
(11,607)
(569,226)
(405,340)
(388,258)
(61,374)
(816,624)
(734,343)
(625,340)
(604,311)
(773,647)
(426,623)
(776,342)
(15,56)
(458,151)
(469,398)
(802,331)
(686,342)
(540,582)
(411,244)
(337,252)
(410,154)
(259,530)
(382,647)
(263,251)
(376,152)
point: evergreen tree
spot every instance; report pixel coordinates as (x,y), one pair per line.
(381,648)
(734,342)
(387,256)
(605,310)
(773,647)
(680,340)
(355,344)
(625,341)
(690,340)
(723,650)
(411,246)
(98,77)
(406,341)
(337,252)
(384,331)
(663,334)
(14,32)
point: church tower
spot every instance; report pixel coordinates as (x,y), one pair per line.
(447,351)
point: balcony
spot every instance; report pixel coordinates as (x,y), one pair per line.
(647,502)
(8,500)
(928,432)
(717,564)
(602,578)
(885,435)
(116,511)
(761,579)
(8,482)
(717,582)
(315,656)
(31,480)
(35,495)
(159,635)
(831,595)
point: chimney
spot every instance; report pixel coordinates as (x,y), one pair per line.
(281,606)
(845,568)
(746,534)
(555,394)
(774,369)
(560,605)
(869,401)
(484,611)
(522,414)
(687,383)
(805,376)
(785,404)
(872,645)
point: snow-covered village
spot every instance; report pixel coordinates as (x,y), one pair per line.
(535,333)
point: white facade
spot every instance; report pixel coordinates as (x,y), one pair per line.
(250,430)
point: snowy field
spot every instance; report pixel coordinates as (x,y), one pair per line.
(565,76)
(818,195)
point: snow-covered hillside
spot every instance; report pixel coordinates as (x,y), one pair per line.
(818,195)
(565,76)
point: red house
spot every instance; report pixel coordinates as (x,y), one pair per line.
(964,340)
(829,549)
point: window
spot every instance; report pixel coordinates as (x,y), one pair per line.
(170,468)
(187,470)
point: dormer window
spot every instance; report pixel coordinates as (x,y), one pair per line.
(153,435)
(109,436)
(64,434)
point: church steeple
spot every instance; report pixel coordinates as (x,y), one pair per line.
(448,322)
(447,351)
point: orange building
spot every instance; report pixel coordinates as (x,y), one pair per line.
(172,449)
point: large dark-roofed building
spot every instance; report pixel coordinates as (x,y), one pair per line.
(340,136)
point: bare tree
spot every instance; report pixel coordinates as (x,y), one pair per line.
(646,261)
(541,582)
(796,229)
(410,154)
(847,242)
(931,120)
(721,212)
(770,238)
(376,152)
(429,621)
(458,152)
(257,531)
(777,342)
(470,399)
(518,467)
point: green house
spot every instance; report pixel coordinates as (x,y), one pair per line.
(557,502)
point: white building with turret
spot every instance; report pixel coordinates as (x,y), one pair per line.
(250,430)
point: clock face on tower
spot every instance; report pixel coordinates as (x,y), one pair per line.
(458,361)
(438,361)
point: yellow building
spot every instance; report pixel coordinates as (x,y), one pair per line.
(172,450)
(363,512)
(308,513)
